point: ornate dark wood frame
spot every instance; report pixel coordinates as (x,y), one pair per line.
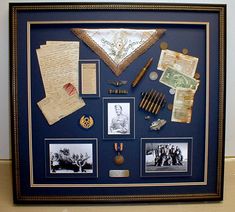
(15,8)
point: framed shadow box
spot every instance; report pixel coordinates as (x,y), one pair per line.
(117,102)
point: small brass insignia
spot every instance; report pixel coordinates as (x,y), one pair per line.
(117,83)
(117,91)
(86,122)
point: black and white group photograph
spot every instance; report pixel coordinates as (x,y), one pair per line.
(118,118)
(166,157)
(71,158)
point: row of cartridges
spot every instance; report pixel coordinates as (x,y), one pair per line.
(152,101)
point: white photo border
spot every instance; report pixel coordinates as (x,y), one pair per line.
(93,141)
(80,62)
(105,101)
(188,173)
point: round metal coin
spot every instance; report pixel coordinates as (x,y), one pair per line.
(147,117)
(153,75)
(170,106)
(164,45)
(197,76)
(185,51)
(172,91)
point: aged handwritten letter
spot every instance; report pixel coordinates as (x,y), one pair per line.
(58,62)
(182,107)
(58,66)
(183,63)
(88,78)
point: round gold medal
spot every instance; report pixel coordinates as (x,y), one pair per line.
(119,159)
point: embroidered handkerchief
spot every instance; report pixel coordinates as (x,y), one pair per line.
(118,47)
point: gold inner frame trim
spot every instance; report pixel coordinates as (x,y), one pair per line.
(202,183)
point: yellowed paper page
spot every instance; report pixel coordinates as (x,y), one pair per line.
(58,67)
(88,78)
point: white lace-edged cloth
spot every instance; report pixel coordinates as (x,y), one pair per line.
(118,48)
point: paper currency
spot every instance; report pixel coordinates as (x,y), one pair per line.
(176,79)
(183,63)
(182,107)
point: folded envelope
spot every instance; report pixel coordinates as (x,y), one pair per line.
(118,47)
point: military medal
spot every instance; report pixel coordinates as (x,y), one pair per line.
(118,159)
(86,122)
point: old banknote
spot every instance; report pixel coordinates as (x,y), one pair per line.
(183,63)
(183,104)
(175,79)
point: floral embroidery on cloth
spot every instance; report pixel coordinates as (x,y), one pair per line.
(118,47)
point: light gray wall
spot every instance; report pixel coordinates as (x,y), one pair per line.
(5,150)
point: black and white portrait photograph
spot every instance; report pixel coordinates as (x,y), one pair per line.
(118,118)
(166,157)
(71,158)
